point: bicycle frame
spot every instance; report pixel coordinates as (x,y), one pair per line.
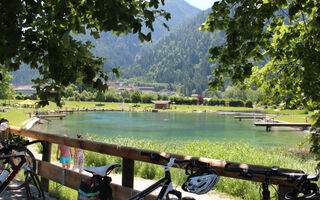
(165,184)
(16,168)
(302,180)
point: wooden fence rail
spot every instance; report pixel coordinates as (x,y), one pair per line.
(130,154)
(72,179)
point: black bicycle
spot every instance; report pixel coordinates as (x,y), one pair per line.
(305,188)
(200,182)
(202,178)
(17,157)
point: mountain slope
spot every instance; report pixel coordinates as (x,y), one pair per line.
(179,59)
(122,50)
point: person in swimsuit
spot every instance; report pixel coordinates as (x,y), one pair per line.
(65,155)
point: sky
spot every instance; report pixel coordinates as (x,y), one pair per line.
(201,4)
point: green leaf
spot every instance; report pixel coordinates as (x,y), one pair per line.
(66,39)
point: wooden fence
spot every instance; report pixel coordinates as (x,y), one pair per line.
(72,179)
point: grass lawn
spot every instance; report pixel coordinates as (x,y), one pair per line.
(18,115)
(238,152)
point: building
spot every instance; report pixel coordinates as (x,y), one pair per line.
(167,92)
(25,89)
(146,89)
(161,104)
(199,97)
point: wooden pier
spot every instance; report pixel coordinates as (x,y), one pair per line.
(88,110)
(51,116)
(250,117)
(268,125)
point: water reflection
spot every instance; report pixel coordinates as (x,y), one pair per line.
(167,126)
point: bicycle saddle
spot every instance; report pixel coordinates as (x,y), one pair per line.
(102,170)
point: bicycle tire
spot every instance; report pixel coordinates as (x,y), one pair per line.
(31,160)
(31,163)
(33,187)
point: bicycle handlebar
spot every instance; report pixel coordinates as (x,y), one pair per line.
(8,147)
(190,166)
(303,181)
(249,173)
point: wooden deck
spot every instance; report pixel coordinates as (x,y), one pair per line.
(51,116)
(268,125)
(250,117)
(87,110)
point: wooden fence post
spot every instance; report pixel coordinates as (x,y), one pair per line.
(282,191)
(127,172)
(46,156)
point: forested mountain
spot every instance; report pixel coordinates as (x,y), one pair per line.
(179,59)
(122,50)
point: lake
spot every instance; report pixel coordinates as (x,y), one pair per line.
(170,126)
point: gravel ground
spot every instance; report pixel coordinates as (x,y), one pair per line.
(140,184)
(18,194)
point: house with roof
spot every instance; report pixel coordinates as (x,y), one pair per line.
(199,97)
(161,104)
(25,89)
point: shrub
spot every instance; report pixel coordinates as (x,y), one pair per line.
(214,102)
(222,102)
(236,103)
(249,104)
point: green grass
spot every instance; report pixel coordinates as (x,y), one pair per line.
(236,152)
(230,151)
(294,118)
(62,192)
(17,115)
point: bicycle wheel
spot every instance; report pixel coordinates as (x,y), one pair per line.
(33,187)
(30,159)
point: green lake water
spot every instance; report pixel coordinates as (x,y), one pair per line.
(171,126)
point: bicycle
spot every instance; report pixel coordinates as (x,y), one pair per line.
(304,189)
(22,159)
(200,182)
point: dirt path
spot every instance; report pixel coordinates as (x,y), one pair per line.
(140,184)
(18,194)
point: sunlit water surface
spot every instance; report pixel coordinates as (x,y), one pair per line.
(171,126)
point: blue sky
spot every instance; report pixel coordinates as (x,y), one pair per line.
(202,4)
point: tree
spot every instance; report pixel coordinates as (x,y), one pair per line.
(235,93)
(39,33)
(136,97)
(69,91)
(147,97)
(6,91)
(125,94)
(99,96)
(283,37)
(111,96)
(85,96)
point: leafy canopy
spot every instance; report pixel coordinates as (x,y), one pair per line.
(136,97)
(6,92)
(282,36)
(38,33)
